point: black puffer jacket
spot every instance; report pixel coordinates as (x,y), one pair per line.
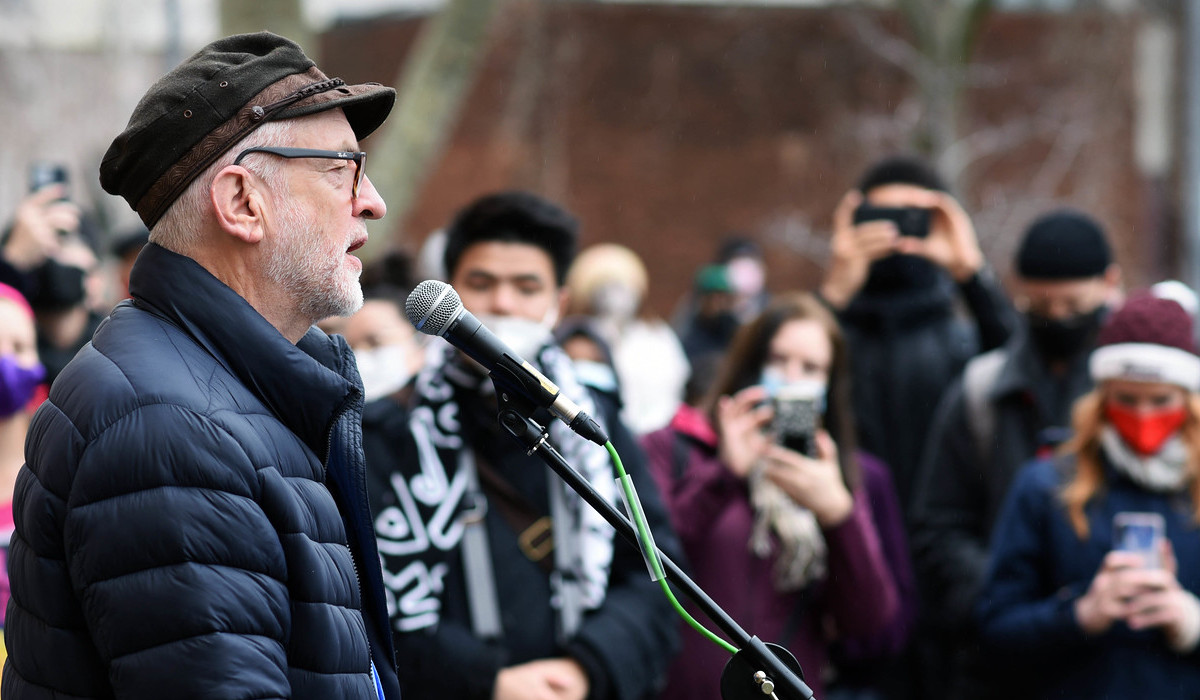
(192,521)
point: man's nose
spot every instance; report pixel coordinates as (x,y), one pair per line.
(369,203)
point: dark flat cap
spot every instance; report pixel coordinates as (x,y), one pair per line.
(211,101)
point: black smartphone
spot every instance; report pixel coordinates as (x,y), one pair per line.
(911,221)
(796,421)
(44,174)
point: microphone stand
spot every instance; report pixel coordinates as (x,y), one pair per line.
(759,669)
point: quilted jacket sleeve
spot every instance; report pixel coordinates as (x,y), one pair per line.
(180,574)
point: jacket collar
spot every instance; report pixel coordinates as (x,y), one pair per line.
(306,385)
(903,309)
(693,422)
(1024,372)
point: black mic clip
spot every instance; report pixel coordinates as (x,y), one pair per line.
(514,379)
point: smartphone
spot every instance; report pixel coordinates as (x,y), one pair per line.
(1141,533)
(797,420)
(44,174)
(910,221)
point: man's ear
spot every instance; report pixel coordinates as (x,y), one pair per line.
(238,203)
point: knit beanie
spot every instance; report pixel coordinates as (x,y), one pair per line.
(1149,339)
(1063,245)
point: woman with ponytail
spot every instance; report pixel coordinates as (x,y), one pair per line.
(1068,604)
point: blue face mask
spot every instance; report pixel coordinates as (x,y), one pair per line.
(778,386)
(17,384)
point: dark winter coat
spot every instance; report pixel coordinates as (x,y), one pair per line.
(905,349)
(1025,412)
(624,645)
(1040,568)
(193,521)
(711,510)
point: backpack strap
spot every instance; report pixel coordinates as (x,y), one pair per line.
(979,377)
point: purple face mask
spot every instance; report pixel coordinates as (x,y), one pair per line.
(17,384)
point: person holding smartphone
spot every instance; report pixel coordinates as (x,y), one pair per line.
(783,540)
(1091,589)
(904,255)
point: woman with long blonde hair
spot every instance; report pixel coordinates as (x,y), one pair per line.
(1091,591)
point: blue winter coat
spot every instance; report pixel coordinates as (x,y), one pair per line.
(1039,569)
(192,520)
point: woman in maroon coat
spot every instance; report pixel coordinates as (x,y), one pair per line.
(784,542)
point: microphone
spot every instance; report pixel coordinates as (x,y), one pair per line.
(434,308)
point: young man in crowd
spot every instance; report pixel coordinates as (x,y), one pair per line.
(504,584)
(904,254)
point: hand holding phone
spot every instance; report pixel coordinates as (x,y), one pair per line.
(43,174)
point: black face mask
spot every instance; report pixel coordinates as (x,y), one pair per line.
(57,287)
(723,324)
(899,272)
(1063,339)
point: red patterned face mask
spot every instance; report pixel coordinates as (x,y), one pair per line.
(1145,432)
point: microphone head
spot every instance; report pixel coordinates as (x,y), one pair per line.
(432,306)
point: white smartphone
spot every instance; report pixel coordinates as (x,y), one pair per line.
(1141,533)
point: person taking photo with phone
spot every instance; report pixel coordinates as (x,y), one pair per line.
(1065,607)
(904,253)
(786,542)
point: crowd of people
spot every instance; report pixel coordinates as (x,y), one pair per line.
(233,468)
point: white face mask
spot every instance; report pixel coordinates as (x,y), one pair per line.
(598,375)
(384,369)
(524,336)
(616,301)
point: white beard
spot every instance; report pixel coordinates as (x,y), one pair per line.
(300,262)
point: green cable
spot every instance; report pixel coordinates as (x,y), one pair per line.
(639,520)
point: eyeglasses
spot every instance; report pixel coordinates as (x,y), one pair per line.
(359,158)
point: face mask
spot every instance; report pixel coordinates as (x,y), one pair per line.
(1145,432)
(900,272)
(596,374)
(1062,339)
(384,369)
(57,287)
(616,301)
(723,324)
(746,276)
(17,384)
(778,387)
(524,336)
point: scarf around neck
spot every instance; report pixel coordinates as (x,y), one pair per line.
(801,556)
(1164,472)
(436,501)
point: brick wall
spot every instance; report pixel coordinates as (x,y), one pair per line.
(664,128)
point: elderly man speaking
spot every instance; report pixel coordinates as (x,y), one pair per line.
(192,517)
